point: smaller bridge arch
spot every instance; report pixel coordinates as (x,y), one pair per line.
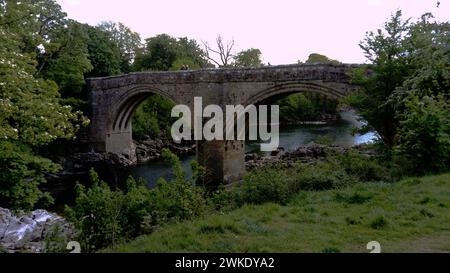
(119,123)
(286,89)
(128,102)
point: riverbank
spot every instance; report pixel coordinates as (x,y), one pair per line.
(310,153)
(296,142)
(150,149)
(34,232)
(407,216)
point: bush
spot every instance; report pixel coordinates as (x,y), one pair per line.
(105,217)
(177,200)
(223,199)
(265,186)
(425,135)
(97,215)
(364,168)
(152,117)
(21,175)
(322,176)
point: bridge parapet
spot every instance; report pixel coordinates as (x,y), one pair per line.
(281,73)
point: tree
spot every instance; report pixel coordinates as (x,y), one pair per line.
(104,53)
(224,52)
(30,116)
(159,54)
(316,58)
(128,42)
(422,102)
(57,42)
(68,62)
(386,50)
(424,134)
(152,117)
(249,58)
(32,21)
(164,52)
(189,52)
(405,94)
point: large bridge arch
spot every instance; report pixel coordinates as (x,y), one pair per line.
(119,132)
(128,102)
(286,89)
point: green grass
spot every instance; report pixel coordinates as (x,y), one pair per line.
(412,215)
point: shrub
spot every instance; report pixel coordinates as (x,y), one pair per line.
(21,175)
(322,176)
(223,199)
(104,217)
(265,186)
(96,214)
(136,207)
(152,117)
(177,200)
(425,135)
(364,168)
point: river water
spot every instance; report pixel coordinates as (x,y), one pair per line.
(291,137)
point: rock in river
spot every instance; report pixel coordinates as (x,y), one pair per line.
(32,232)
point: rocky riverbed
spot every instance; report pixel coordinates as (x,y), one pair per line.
(149,149)
(306,154)
(36,232)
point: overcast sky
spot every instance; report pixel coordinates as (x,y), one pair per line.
(285,30)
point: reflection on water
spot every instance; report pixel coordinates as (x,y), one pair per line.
(291,138)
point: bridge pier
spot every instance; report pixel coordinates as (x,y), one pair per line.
(121,143)
(224,161)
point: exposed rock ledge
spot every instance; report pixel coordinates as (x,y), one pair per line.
(112,159)
(150,149)
(32,232)
(309,153)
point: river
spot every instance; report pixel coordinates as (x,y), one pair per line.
(291,137)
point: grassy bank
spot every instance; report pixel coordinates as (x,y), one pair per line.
(412,215)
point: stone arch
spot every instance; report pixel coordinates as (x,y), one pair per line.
(128,102)
(295,87)
(119,139)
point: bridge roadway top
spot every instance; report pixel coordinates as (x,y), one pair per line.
(279,73)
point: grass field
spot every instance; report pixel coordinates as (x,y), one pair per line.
(412,215)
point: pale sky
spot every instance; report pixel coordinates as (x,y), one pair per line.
(284,30)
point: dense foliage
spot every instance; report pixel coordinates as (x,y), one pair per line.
(31,113)
(105,217)
(316,58)
(405,91)
(153,118)
(250,58)
(306,107)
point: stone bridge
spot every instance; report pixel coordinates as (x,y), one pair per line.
(113,101)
